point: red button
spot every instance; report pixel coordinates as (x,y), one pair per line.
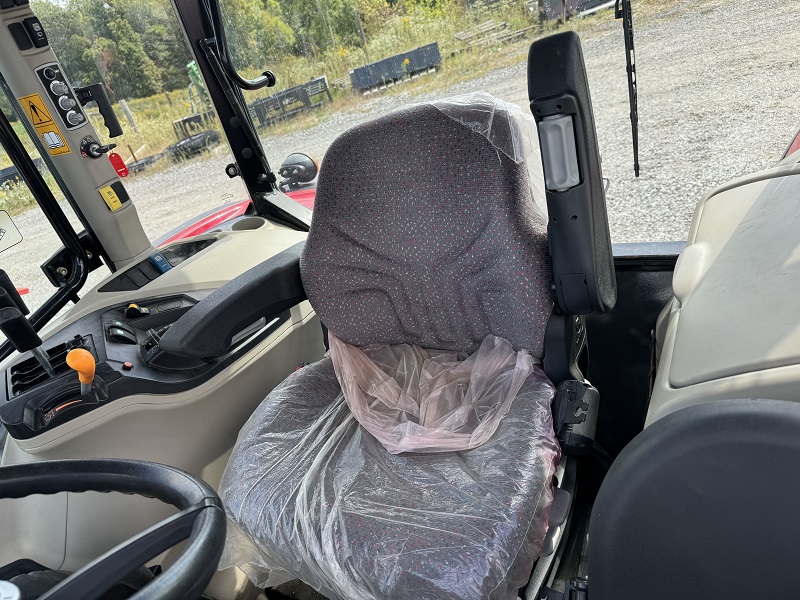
(126,366)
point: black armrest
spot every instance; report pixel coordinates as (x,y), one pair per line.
(580,244)
(266,290)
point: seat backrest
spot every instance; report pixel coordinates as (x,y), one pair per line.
(426,232)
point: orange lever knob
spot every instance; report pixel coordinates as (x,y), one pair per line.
(83,362)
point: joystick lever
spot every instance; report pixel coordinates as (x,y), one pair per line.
(82,361)
(16,327)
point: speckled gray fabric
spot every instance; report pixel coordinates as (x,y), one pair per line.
(424,233)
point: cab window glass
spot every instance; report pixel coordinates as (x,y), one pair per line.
(39,241)
(172,141)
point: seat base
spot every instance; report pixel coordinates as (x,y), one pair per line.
(311,495)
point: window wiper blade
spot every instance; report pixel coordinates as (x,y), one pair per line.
(623,10)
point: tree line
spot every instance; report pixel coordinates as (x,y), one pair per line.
(137,48)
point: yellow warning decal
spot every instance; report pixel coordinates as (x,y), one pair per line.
(45,125)
(111,198)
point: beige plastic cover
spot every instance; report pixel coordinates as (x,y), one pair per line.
(312,495)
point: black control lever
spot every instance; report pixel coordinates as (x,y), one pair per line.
(19,331)
(11,290)
(97,93)
(16,327)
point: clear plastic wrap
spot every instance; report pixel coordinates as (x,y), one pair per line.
(417,400)
(312,495)
(509,128)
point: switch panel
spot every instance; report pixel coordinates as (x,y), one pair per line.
(36,31)
(55,84)
(20,36)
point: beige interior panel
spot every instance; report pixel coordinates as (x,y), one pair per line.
(193,430)
(738,284)
(732,330)
(233,253)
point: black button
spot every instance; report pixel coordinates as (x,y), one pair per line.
(149,270)
(21,2)
(6,3)
(121,192)
(138,278)
(171,257)
(49,73)
(120,283)
(20,36)
(36,31)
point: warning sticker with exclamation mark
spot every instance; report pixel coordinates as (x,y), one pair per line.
(43,122)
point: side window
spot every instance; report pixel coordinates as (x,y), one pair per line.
(172,141)
(26,238)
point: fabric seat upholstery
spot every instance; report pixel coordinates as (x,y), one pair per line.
(425,232)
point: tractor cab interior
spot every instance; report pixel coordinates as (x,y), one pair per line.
(444,382)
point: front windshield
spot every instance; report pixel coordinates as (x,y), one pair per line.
(711,104)
(715,94)
(715,98)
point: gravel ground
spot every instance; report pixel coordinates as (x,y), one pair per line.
(717,99)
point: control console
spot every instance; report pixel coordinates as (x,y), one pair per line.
(124,342)
(55,83)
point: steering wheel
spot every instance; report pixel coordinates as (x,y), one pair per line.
(201,520)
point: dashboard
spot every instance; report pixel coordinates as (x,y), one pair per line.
(123,331)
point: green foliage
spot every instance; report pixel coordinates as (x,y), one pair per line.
(5,106)
(136,46)
(15,197)
(256,28)
(132,72)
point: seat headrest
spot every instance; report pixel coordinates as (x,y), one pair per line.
(426,231)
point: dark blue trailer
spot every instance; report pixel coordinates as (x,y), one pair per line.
(10,175)
(395,68)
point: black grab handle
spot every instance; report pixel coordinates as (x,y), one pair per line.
(97,93)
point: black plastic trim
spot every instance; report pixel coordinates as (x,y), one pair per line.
(266,291)
(229,104)
(578,233)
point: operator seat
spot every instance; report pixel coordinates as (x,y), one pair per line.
(425,232)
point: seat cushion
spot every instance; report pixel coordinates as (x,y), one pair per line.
(312,495)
